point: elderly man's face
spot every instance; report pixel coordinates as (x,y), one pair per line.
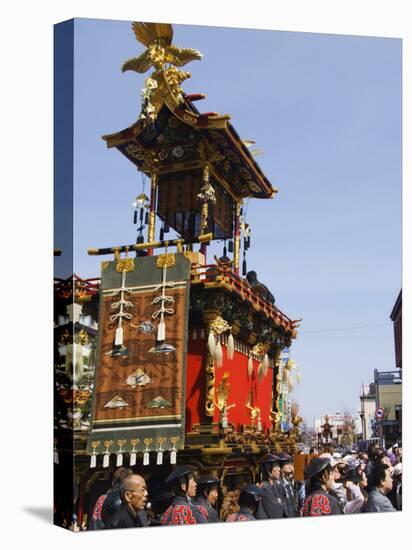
(136,494)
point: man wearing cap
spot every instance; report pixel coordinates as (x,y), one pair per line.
(133,493)
(271,505)
(206,497)
(182,511)
(287,484)
(319,501)
(249,500)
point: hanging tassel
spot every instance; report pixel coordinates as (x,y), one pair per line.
(290,382)
(119,460)
(106,458)
(230,246)
(140,239)
(244,266)
(173,456)
(159,459)
(260,371)
(224,251)
(161,331)
(202,334)
(135,217)
(166,227)
(265,364)
(146,218)
(230,347)
(211,342)
(146,458)
(194,335)
(118,341)
(132,461)
(298,377)
(219,355)
(162,234)
(250,367)
(93,460)
(56,457)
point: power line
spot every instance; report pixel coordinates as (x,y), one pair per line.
(343,329)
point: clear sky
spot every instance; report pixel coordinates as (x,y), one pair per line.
(326,111)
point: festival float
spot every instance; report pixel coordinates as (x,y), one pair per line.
(174,356)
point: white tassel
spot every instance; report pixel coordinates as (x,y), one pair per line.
(146,459)
(250,367)
(219,355)
(202,334)
(159,459)
(106,458)
(173,456)
(132,459)
(298,377)
(118,341)
(230,347)
(194,336)
(119,460)
(93,461)
(56,457)
(161,331)
(211,342)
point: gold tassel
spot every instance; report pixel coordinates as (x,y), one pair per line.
(211,342)
(250,367)
(260,371)
(265,364)
(219,354)
(290,383)
(230,347)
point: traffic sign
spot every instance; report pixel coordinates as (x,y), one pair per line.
(379,413)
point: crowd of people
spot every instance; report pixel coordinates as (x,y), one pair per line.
(334,484)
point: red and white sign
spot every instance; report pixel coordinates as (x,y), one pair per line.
(379,413)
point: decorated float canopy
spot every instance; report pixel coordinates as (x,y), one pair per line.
(185,151)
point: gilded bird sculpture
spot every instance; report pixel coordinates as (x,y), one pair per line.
(157,37)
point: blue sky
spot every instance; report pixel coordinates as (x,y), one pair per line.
(326,111)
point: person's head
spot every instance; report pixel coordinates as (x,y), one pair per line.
(364,456)
(208,488)
(372,450)
(382,478)
(357,476)
(286,464)
(270,468)
(384,459)
(183,480)
(319,475)
(250,497)
(133,491)
(119,474)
